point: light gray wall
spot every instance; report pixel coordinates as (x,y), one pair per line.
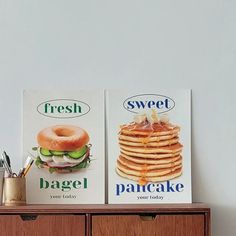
(132,43)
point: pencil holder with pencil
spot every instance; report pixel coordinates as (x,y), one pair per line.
(14,191)
(14,184)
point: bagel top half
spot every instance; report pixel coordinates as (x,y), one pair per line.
(62,138)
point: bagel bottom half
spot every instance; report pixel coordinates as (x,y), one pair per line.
(64,170)
(60,170)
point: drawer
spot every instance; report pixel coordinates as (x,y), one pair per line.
(159,225)
(45,225)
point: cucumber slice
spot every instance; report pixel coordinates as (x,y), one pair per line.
(78,154)
(57,153)
(45,152)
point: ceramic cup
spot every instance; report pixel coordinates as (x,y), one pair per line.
(15,191)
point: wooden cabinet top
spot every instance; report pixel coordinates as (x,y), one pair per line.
(107,208)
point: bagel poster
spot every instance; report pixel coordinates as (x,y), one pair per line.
(64,131)
(149,146)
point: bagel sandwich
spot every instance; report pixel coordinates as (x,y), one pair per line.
(63,149)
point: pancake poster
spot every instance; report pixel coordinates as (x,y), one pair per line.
(64,132)
(149,146)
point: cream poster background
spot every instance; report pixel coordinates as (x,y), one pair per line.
(117,115)
(92,177)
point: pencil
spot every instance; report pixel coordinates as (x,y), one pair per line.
(27,168)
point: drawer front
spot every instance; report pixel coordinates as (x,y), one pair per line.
(135,225)
(42,225)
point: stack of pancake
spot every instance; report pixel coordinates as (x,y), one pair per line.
(149,151)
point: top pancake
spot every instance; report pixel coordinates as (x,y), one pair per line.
(149,129)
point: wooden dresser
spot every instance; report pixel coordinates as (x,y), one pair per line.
(106,220)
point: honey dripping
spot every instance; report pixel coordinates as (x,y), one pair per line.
(143,178)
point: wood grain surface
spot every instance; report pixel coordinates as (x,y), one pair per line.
(163,225)
(103,220)
(107,208)
(43,225)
